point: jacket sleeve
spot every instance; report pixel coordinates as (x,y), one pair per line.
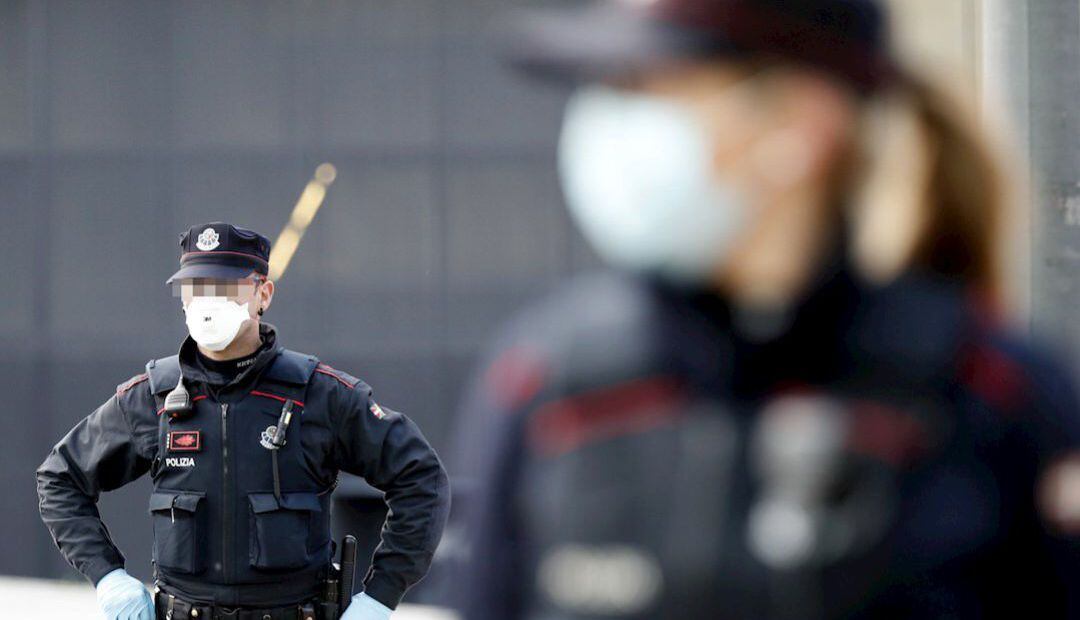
(98,454)
(511,380)
(1052,426)
(489,452)
(388,450)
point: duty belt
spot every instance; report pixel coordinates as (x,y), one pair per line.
(169,607)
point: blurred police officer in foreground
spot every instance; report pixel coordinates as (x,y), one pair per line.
(244,440)
(791,398)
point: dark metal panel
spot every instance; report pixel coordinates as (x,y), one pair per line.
(108,74)
(16,130)
(17,239)
(506,243)
(108,294)
(488,105)
(233,74)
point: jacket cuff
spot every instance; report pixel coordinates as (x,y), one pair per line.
(94,571)
(379,588)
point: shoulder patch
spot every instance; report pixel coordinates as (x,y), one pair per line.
(344,378)
(132,382)
(377,411)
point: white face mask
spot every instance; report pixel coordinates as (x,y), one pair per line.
(213,322)
(637,174)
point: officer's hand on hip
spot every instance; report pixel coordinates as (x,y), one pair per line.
(123,597)
(363,607)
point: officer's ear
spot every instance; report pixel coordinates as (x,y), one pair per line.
(265,295)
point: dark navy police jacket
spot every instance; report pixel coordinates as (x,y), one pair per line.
(647,453)
(221,534)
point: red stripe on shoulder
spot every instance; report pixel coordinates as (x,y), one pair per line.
(130,383)
(629,408)
(332,372)
(994,376)
(515,377)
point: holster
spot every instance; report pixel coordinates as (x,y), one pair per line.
(329,609)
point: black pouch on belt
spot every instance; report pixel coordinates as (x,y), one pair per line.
(168,607)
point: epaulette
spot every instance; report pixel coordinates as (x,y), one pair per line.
(345,378)
(291,367)
(130,383)
(164,373)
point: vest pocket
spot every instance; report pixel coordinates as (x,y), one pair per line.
(178,539)
(280,531)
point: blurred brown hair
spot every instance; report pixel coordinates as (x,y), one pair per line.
(966,195)
(938,177)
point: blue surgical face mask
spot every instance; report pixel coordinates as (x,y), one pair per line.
(637,174)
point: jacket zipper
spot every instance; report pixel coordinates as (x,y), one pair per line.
(226,522)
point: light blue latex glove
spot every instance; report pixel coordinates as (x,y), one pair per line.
(123,597)
(363,607)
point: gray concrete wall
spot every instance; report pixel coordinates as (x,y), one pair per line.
(1031,59)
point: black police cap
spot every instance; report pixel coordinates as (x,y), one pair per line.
(220,250)
(847,38)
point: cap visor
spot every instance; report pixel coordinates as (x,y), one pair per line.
(599,41)
(208,270)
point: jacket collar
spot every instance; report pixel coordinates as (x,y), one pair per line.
(193,372)
(907,332)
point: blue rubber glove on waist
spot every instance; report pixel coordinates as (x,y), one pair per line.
(363,607)
(123,597)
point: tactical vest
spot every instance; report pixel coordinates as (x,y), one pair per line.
(217,519)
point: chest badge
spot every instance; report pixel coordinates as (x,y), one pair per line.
(185,441)
(267,438)
(273,438)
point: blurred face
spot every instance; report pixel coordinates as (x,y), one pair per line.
(238,291)
(696,169)
(752,145)
(217,310)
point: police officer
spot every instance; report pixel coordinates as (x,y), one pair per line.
(244,440)
(791,398)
